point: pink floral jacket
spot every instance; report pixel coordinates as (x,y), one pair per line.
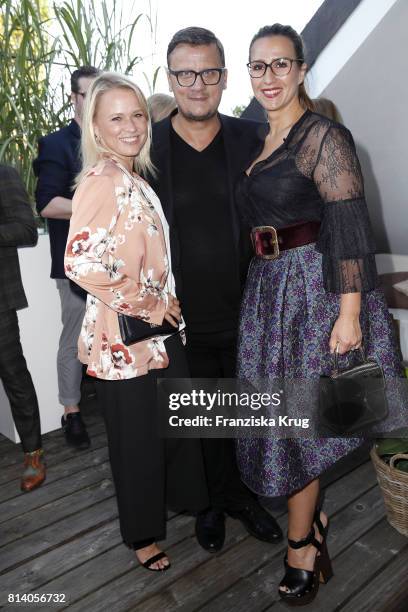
(116,251)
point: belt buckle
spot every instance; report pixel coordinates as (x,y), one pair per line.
(265,242)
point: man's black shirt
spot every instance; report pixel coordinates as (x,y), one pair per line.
(208,259)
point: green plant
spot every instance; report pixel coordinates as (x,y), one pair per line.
(27,101)
(96,33)
(238,110)
(389,447)
(39,44)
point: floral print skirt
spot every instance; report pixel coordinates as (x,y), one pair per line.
(285,326)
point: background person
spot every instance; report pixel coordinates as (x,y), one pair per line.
(17,229)
(327,108)
(56,167)
(160,106)
(318,293)
(118,251)
(199,154)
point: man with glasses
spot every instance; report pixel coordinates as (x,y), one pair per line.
(56,167)
(198,154)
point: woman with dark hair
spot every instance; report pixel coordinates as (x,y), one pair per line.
(311,289)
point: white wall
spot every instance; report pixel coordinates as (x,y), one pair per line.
(40,328)
(371,91)
(345,43)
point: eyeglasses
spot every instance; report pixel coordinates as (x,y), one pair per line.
(187,78)
(280,67)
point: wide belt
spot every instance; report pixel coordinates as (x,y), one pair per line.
(269,242)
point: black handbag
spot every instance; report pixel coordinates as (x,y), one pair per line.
(353,399)
(135,330)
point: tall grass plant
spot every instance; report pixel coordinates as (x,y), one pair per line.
(40,45)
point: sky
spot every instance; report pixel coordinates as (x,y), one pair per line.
(233,22)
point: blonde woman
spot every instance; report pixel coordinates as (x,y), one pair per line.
(118,251)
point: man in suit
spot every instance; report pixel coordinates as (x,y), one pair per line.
(199,154)
(56,167)
(17,229)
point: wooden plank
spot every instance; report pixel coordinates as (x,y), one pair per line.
(96,485)
(388,590)
(356,566)
(52,441)
(63,558)
(58,533)
(350,517)
(203,578)
(56,451)
(13,500)
(5,443)
(84,564)
(89,554)
(205,581)
(127,589)
(60,479)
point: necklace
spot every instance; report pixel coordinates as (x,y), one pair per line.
(287,127)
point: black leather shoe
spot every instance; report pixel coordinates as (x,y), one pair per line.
(258,522)
(74,431)
(210,530)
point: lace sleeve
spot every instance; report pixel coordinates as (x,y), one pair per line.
(345,239)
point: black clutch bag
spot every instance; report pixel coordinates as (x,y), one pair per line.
(353,399)
(135,330)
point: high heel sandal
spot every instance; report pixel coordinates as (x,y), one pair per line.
(153,559)
(149,562)
(322,530)
(316,519)
(303,585)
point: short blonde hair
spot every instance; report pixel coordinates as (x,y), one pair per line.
(160,106)
(93,151)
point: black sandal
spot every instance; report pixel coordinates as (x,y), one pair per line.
(149,562)
(303,585)
(322,530)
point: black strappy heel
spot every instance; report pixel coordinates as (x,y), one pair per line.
(303,585)
(322,530)
(149,562)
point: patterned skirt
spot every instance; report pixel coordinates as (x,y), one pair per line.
(285,326)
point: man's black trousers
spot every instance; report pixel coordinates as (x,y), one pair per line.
(213,355)
(18,384)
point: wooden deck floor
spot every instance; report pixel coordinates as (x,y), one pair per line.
(64,538)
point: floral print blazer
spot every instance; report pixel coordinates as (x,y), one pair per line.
(116,251)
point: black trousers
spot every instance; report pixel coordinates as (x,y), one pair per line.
(149,472)
(213,355)
(18,384)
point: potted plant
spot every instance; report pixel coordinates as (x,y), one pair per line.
(390,458)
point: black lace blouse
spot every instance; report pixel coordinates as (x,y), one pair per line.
(315,175)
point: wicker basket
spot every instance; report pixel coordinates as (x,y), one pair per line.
(394,486)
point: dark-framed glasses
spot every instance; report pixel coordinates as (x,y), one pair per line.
(187,78)
(280,66)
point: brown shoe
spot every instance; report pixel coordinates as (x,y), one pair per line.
(34,470)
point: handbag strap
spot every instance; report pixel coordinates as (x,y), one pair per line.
(336,356)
